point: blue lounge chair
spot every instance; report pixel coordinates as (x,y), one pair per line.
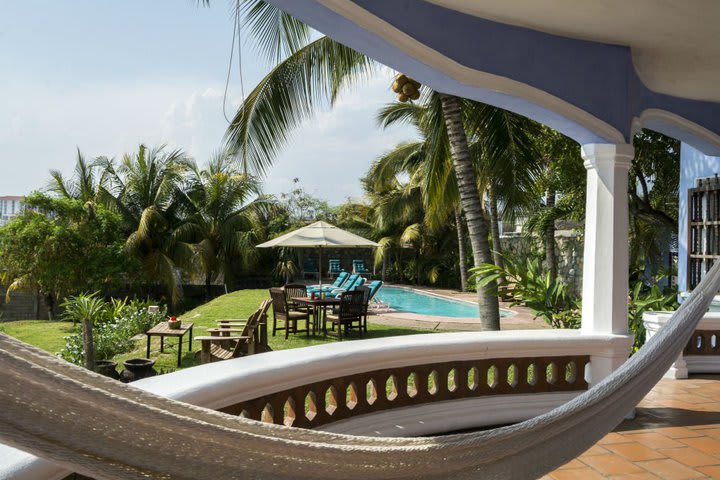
(348,287)
(334,267)
(373,287)
(310,268)
(359,267)
(339,281)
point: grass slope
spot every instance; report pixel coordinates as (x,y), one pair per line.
(40,333)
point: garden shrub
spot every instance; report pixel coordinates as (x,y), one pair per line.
(646,298)
(113,335)
(528,284)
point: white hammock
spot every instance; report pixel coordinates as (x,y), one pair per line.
(103,429)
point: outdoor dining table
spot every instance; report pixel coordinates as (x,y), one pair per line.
(318,305)
(163,330)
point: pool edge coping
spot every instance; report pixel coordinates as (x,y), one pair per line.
(420,317)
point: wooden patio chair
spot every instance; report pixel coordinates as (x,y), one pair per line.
(282,311)
(222,346)
(296,290)
(350,311)
(229,326)
(367,293)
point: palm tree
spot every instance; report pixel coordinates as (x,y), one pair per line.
(508,163)
(145,188)
(312,75)
(501,151)
(83,185)
(88,310)
(562,184)
(472,205)
(223,206)
(399,224)
(429,165)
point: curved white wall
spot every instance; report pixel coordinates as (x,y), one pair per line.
(225,383)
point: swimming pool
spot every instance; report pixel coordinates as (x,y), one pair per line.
(412,301)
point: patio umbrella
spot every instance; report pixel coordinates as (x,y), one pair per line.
(320,235)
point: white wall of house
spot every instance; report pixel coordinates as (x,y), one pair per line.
(10,206)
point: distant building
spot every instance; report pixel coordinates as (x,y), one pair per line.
(10,206)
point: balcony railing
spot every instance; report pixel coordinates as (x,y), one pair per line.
(320,403)
(702,352)
(395,386)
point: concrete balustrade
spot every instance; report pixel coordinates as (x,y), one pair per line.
(702,353)
(224,384)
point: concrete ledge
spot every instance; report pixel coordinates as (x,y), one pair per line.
(220,384)
(686,364)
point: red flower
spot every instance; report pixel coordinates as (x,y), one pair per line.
(173,319)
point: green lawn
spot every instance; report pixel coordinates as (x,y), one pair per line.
(236,305)
(41,333)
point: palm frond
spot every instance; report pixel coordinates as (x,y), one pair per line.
(291,93)
(277,34)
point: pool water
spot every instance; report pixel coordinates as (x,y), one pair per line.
(412,301)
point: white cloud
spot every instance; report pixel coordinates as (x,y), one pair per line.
(40,129)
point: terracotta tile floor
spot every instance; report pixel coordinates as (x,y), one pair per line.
(675,435)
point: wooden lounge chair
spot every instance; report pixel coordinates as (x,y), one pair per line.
(226,326)
(222,345)
(282,311)
(351,310)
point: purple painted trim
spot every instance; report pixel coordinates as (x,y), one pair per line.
(597,78)
(585,74)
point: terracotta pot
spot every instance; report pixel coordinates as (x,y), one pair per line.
(137,368)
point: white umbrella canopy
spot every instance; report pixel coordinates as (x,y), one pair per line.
(319,235)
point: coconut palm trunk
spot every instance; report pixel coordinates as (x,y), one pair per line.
(495,228)
(462,264)
(88,344)
(470,198)
(208,287)
(550,254)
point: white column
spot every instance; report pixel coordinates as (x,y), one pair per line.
(606,252)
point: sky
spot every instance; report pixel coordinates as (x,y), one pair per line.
(106,76)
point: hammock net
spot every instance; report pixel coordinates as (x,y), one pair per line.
(103,429)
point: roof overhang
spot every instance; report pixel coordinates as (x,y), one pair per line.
(592,70)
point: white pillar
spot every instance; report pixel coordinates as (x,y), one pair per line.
(606,252)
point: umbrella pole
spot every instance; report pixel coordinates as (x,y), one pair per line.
(320,267)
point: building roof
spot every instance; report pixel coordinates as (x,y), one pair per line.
(11,197)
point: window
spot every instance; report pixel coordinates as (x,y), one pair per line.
(704,231)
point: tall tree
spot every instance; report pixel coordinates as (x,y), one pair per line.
(472,206)
(42,252)
(428,164)
(654,198)
(560,188)
(145,188)
(83,185)
(223,206)
(311,76)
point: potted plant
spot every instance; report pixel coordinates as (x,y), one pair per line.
(174,323)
